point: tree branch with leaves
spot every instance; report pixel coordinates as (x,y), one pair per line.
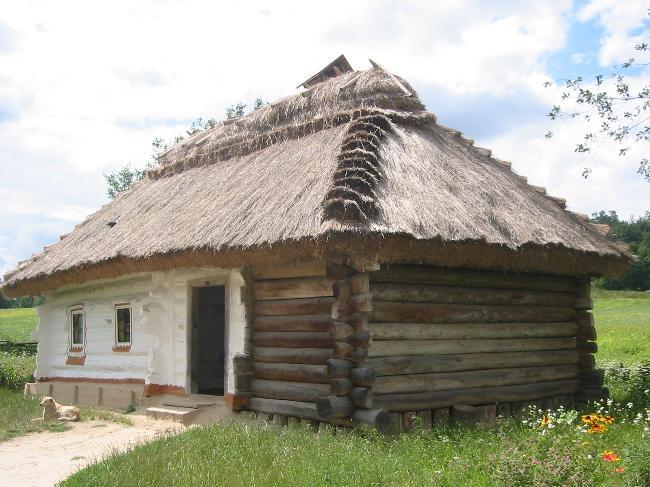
(613,108)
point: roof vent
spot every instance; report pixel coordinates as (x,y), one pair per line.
(336,68)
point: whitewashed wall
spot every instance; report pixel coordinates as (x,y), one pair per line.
(161,335)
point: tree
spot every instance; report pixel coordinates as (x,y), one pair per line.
(636,233)
(123,178)
(612,108)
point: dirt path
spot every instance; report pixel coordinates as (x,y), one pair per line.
(43,459)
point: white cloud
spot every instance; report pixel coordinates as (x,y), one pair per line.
(90,84)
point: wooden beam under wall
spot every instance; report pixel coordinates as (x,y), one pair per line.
(293,355)
(298,409)
(292,391)
(479,395)
(316,374)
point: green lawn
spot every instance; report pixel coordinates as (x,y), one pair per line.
(623,324)
(16,324)
(18,413)
(513,454)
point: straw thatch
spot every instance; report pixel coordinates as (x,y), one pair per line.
(353,164)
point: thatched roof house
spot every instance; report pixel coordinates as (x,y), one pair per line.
(352,171)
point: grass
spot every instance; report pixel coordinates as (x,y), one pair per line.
(623,324)
(514,453)
(16,324)
(18,412)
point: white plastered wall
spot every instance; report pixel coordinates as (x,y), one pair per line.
(161,327)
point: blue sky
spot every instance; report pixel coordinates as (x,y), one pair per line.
(85,88)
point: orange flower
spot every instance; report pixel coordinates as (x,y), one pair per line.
(545,421)
(596,428)
(608,420)
(588,419)
(619,470)
(610,456)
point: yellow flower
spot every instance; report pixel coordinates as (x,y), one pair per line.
(596,428)
(545,421)
(607,420)
(588,419)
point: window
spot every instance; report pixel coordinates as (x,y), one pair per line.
(77,328)
(123,325)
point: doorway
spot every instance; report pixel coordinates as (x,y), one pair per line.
(208,340)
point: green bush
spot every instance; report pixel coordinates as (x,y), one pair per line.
(16,369)
(629,384)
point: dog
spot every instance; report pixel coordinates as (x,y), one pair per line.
(54,410)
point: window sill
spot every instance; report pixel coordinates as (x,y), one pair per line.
(122,348)
(74,360)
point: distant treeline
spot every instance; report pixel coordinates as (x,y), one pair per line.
(24,302)
(636,233)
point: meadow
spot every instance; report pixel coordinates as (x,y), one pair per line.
(612,447)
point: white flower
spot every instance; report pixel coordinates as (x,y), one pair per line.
(589,457)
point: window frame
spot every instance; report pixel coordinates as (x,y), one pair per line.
(118,345)
(72,345)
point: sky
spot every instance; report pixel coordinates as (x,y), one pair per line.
(86,86)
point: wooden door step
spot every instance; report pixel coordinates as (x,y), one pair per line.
(194,401)
(172,413)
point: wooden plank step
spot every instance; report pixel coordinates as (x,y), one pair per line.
(171,413)
(195,401)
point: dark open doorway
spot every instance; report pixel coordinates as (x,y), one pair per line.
(208,340)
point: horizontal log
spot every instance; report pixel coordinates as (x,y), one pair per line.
(478,395)
(423,364)
(388,312)
(359,283)
(362,397)
(299,287)
(334,407)
(341,386)
(586,333)
(340,331)
(291,372)
(341,349)
(373,418)
(363,376)
(319,323)
(388,348)
(586,361)
(336,270)
(583,303)
(293,339)
(298,269)
(359,356)
(338,368)
(592,378)
(418,274)
(422,293)
(449,331)
(291,391)
(360,338)
(306,306)
(298,409)
(341,290)
(361,302)
(396,384)
(587,347)
(584,319)
(292,355)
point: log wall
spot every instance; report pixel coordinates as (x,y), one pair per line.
(444,337)
(356,344)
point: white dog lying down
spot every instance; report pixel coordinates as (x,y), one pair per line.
(54,410)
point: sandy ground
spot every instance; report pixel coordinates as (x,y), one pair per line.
(43,459)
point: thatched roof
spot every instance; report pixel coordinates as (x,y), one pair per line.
(354,159)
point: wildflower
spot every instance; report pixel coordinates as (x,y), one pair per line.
(607,419)
(619,470)
(630,405)
(545,421)
(589,457)
(587,419)
(610,456)
(596,428)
